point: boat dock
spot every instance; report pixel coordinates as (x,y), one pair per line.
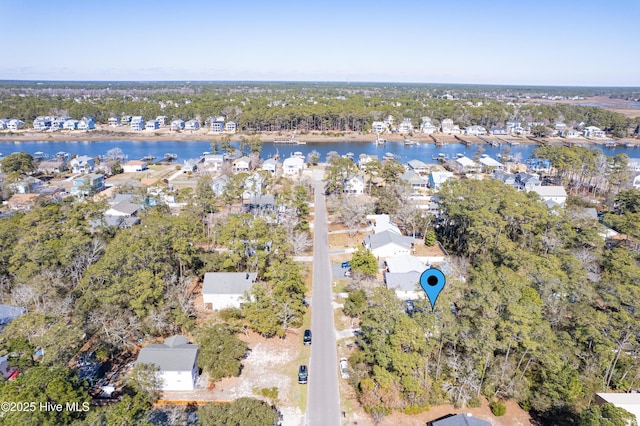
(463,141)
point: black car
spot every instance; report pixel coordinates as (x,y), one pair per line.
(303,375)
(306,339)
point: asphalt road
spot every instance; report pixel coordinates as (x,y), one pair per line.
(323,406)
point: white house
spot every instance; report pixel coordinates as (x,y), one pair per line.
(270,165)
(552,195)
(114,121)
(436,179)
(15,124)
(405,126)
(42,123)
(417,166)
(378,127)
(217,126)
(388,244)
(4,123)
(447,126)
(405,263)
(87,123)
(406,285)
(70,125)
(571,133)
(242,164)
(152,125)
(382,222)
(133,166)
(213,161)
(593,132)
(636,182)
(466,164)
(82,164)
(415,180)
(292,166)
(137,123)
(490,163)
(475,131)
(354,185)
(364,159)
(177,362)
(230,126)
(177,125)
(162,120)
(428,128)
(192,125)
(226,289)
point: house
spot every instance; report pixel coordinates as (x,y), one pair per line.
(512,125)
(4,123)
(134,166)
(459,420)
(627,401)
(496,130)
(137,123)
(381,223)
(551,195)
(177,362)
(87,184)
(55,165)
(404,263)
(526,181)
(405,284)
(8,313)
(593,132)
(189,165)
(633,164)
(230,127)
(447,126)
(213,161)
(87,123)
(465,164)
(261,204)
(378,127)
(15,124)
(70,125)
(270,165)
(475,130)
(364,159)
(42,123)
(219,185)
(126,119)
(636,182)
(192,125)
(405,126)
(354,185)
(418,166)
(388,244)
(226,289)
(489,163)
(428,128)
(27,185)
(82,164)
(415,180)
(217,126)
(152,125)
(242,164)
(162,120)
(22,202)
(292,166)
(436,179)
(177,125)
(123,209)
(571,133)
(114,121)
(57,123)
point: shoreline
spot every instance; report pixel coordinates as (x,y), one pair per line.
(105,133)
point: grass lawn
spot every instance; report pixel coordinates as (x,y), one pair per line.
(345,241)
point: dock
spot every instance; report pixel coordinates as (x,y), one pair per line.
(438,142)
(464,141)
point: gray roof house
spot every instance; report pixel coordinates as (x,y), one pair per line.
(8,313)
(416,181)
(459,420)
(388,244)
(405,284)
(177,361)
(222,290)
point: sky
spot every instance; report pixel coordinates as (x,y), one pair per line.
(544,42)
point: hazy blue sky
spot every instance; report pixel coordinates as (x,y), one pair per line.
(560,42)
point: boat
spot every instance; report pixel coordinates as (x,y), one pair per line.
(630,145)
(40,155)
(610,144)
(148,158)
(170,156)
(379,140)
(440,157)
(389,156)
(63,155)
(409,142)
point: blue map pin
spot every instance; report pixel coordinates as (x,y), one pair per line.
(432,282)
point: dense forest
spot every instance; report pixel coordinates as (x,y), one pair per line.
(320,107)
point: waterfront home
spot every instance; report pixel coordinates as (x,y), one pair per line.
(87,184)
(465,164)
(499,131)
(418,166)
(405,126)
(428,128)
(4,123)
(292,166)
(270,165)
(70,125)
(571,133)
(437,179)
(388,244)
(475,130)
(177,362)
(126,119)
(217,126)
(552,195)
(213,161)
(416,181)
(189,166)
(57,123)
(15,124)
(42,123)
(114,121)
(230,126)
(134,166)
(354,185)
(388,122)
(593,132)
(378,127)
(152,125)
(162,120)
(87,123)
(177,125)
(192,125)
(137,123)
(526,181)
(512,125)
(56,165)
(490,164)
(242,164)
(222,290)
(82,164)
(365,159)
(447,126)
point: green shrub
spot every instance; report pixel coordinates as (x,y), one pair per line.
(498,408)
(415,409)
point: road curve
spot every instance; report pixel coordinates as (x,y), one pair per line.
(323,406)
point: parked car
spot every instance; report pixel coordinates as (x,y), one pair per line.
(303,375)
(306,339)
(345,264)
(344,368)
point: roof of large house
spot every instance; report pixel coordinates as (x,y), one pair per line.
(440,177)
(460,420)
(550,191)
(490,162)
(175,354)
(405,263)
(125,207)
(416,164)
(384,238)
(228,282)
(402,281)
(413,178)
(466,162)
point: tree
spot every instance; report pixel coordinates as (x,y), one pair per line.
(607,415)
(355,304)
(243,411)
(220,351)
(19,162)
(364,262)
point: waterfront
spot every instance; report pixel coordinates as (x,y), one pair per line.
(425,152)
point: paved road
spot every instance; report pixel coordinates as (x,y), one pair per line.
(323,406)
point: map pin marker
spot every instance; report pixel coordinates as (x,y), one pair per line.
(432,282)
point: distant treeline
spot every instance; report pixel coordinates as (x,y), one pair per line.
(258,107)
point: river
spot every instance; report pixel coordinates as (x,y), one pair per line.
(193,149)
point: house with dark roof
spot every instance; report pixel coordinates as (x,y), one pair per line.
(459,420)
(222,290)
(177,362)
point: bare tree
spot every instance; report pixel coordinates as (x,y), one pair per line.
(352,214)
(300,242)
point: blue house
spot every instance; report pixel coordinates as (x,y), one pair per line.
(87,184)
